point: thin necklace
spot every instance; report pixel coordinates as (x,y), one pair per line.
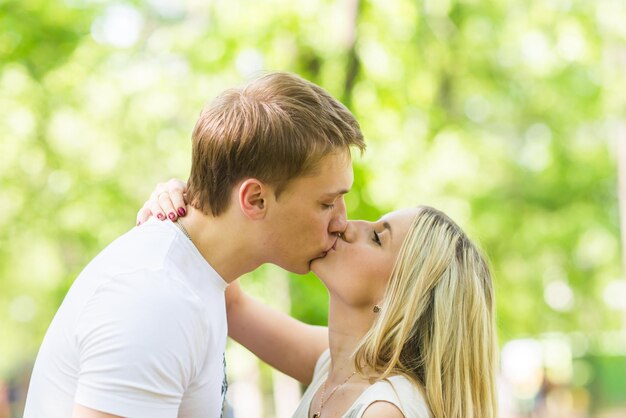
(182,228)
(318,414)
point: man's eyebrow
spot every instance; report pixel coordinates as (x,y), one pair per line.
(337,193)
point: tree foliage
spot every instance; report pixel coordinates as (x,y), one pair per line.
(500,113)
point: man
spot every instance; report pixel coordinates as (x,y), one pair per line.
(142,331)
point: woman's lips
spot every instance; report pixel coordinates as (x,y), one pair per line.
(325,253)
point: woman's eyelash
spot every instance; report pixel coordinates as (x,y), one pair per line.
(326,206)
(376,238)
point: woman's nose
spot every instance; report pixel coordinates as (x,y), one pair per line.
(350,234)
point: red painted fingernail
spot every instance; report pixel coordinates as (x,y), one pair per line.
(172,215)
(160,216)
(182,212)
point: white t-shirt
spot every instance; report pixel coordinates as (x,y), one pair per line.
(397,390)
(141,333)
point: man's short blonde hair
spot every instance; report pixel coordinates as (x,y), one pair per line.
(275,129)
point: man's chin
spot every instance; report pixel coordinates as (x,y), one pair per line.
(316,260)
(301,269)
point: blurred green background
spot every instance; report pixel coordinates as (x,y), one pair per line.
(505,114)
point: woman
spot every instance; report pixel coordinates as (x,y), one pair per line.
(410,324)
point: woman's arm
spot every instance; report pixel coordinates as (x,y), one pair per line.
(283,342)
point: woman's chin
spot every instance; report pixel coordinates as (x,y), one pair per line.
(317,267)
(322,265)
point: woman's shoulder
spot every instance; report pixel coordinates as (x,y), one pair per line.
(398,391)
(382,409)
(411,399)
(404,387)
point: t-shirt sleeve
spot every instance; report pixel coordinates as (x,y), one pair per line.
(139,341)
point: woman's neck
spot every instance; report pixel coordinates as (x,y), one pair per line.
(346,327)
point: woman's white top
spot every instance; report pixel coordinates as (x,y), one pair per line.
(397,390)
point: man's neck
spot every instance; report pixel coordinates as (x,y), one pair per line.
(219,241)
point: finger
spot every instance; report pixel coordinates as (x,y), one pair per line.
(167,206)
(176,190)
(153,203)
(176,184)
(143,214)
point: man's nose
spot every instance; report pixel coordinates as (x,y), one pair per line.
(339,221)
(338,225)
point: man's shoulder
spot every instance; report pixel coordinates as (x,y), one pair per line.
(144,303)
(147,286)
(148,243)
(148,248)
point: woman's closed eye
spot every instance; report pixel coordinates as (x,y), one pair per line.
(376,239)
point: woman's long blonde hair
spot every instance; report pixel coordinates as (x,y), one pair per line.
(436,325)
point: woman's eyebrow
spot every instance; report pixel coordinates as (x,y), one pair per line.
(388,227)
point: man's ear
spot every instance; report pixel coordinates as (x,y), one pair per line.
(253,198)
